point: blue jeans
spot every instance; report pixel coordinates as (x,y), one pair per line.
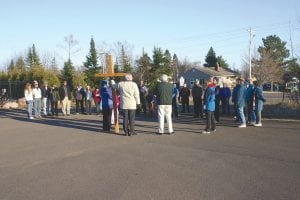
(241,115)
(251,114)
(46,106)
(37,107)
(29,108)
(258,117)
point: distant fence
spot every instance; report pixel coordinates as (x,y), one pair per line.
(14,89)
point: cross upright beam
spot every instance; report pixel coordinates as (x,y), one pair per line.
(111,73)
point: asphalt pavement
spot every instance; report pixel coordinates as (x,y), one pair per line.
(70,158)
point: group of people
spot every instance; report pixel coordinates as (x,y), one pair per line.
(164,100)
(46,97)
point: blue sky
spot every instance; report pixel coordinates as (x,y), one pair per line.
(187,28)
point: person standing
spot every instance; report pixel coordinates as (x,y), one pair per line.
(209,99)
(197,99)
(65,98)
(107,105)
(251,118)
(89,99)
(164,92)
(37,96)
(241,102)
(45,97)
(175,95)
(259,101)
(217,99)
(184,96)
(54,98)
(29,99)
(97,99)
(225,96)
(80,97)
(234,101)
(129,100)
(143,95)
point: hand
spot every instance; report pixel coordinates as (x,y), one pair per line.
(112,82)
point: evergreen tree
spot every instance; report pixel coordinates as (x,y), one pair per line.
(276,48)
(116,67)
(91,65)
(272,61)
(156,67)
(11,65)
(54,66)
(36,70)
(210,59)
(143,67)
(167,63)
(174,67)
(67,73)
(35,57)
(21,68)
(294,68)
(125,61)
(222,62)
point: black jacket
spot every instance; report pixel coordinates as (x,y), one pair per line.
(62,93)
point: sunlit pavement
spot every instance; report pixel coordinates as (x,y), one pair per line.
(71,158)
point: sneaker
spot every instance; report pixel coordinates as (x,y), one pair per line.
(258,124)
(205,132)
(242,126)
(31,118)
(214,130)
(252,123)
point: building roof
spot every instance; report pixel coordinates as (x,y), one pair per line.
(222,71)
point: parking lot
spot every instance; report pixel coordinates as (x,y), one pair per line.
(70,158)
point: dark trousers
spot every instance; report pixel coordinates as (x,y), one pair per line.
(185,103)
(79,102)
(97,108)
(198,107)
(54,109)
(174,107)
(143,104)
(210,121)
(217,111)
(89,107)
(106,119)
(128,120)
(225,106)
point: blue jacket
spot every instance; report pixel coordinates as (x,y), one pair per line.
(210,98)
(225,93)
(259,99)
(250,94)
(234,94)
(106,98)
(241,96)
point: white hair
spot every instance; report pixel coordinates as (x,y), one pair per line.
(128,77)
(164,78)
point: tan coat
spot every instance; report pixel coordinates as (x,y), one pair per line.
(129,94)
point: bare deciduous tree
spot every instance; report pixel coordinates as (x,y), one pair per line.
(71,46)
(265,69)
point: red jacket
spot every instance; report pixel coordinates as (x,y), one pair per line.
(96,96)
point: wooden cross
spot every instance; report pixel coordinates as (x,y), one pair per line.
(111,73)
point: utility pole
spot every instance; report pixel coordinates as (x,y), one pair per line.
(250,45)
(292,49)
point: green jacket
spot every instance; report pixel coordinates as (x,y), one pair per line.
(164,93)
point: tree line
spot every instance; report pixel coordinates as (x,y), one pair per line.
(270,62)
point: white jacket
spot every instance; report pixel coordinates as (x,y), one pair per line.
(28,95)
(129,95)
